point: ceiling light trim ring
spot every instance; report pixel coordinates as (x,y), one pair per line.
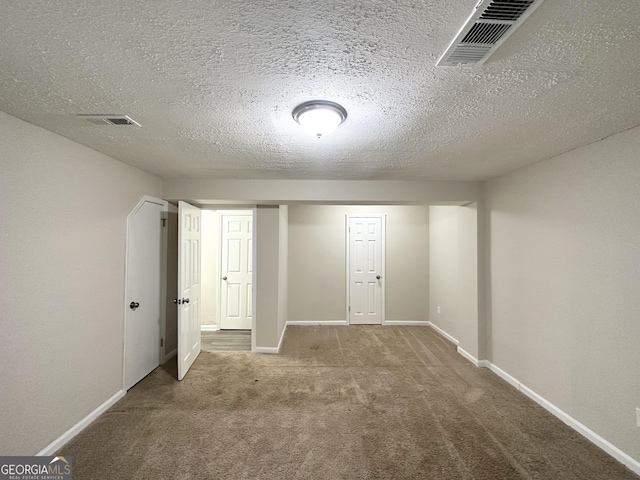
(313,104)
(319,105)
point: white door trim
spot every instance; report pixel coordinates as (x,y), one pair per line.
(220,213)
(163,272)
(383,218)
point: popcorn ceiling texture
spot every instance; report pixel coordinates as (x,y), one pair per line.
(213,84)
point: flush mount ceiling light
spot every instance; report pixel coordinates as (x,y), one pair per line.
(319,117)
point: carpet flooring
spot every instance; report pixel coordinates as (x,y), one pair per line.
(338,403)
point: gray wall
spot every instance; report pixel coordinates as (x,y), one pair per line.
(317,256)
(271,281)
(563,298)
(283,268)
(171,309)
(345,192)
(62,279)
(453,273)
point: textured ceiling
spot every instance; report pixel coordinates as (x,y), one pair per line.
(213,84)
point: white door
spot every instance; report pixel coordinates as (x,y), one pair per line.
(189,237)
(366,270)
(143,294)
(236,288)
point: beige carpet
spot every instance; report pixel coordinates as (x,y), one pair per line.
(338,403)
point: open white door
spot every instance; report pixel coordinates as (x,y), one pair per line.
(236,288)
(143,317)
(189,236)
(366,269)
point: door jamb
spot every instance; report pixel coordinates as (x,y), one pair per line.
(383,266)
(162,286)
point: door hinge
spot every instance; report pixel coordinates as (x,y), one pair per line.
(162,342)
(349,308)
(164,222)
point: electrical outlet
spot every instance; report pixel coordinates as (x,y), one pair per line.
(638,416)
(438,309)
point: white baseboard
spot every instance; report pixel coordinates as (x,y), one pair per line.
(406,322)
(586,432)
(484,363)
(284,330)
(208,328)
(273,349)
(568,420)
(468,356)
(443,333)
(58,443)
(317,322)
(170,355)
(502,374)
(267,350)
(583,430)
(459,349)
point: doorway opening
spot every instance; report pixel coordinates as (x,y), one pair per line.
(227,280)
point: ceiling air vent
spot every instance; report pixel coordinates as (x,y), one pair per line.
(105,119)
(489,25)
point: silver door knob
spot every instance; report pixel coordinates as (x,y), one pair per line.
(185,300)
(224,278)
(378,277)
(134,305)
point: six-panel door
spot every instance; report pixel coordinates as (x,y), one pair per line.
(189,238)
(365,270)
(236,287)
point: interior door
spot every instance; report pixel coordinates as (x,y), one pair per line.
(189,239)
(366,270)
(143,296)
(236,288)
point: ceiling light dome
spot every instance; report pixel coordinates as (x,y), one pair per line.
(319,117)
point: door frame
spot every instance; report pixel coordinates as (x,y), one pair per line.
(163,282)
(238,211)
(383,266)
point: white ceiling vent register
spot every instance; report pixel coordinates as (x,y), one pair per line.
(489,25)
(108,119)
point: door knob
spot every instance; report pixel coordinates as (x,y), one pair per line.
(224,278)
(378,277)
(134,305)
(177,300)
(185,300)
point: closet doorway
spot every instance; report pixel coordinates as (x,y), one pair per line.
(227,272)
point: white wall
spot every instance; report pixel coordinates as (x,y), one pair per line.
(345,192)
(209,265)
(317,256)
(283,267)
(563,301)
(62,260)
(453,273)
